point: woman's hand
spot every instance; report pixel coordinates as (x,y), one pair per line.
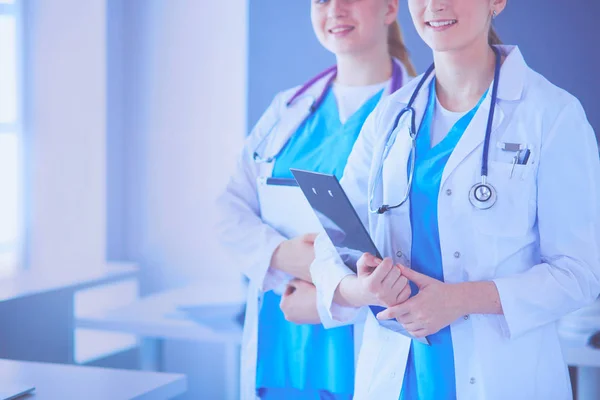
(381,282)
(299,303)
(436,306)
(294,256)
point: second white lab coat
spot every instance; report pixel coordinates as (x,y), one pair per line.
(248,241)
(540,242)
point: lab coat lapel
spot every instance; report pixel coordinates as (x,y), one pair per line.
(399,142)
(511,83)
(403,139)
(473,137)
(292,116)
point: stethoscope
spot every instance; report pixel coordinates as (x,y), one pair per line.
(395,84)
(482,195)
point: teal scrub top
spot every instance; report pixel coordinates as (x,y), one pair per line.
(429,371)
(308,361)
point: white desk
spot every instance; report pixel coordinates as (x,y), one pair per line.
(157,315)
(156,318)
(33,282)
(59,381)
(587,362)
(582,356)
(40,300)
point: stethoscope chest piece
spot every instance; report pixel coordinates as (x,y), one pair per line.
(482,195)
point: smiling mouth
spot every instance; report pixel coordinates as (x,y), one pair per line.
(340,29)
(441,24)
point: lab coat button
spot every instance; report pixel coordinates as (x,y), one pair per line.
(449,192)
(466,317)
(456,254)
(399,253)
(472,381)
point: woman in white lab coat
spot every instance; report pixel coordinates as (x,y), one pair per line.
(286,353)
(494,239)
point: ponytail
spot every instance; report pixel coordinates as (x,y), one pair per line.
(397,48)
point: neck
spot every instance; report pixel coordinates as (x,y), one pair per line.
(364,69)
(463,76)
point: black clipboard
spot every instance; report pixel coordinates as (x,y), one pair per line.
(337,215)
(343,226)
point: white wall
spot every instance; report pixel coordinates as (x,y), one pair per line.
(66,116)
(185,86)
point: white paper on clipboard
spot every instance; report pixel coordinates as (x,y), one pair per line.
(284,207)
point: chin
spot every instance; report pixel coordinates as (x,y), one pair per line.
(344,49)
(443,45)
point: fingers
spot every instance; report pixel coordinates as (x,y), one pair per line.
(413,326)
(419,279)
(284,305)
(284,300)
(421,333)
(391,279)
(366,263)
(310,237)
(397,311)
(289,289)
(410,323)
(380,273)
(385,314)
(301,284)
(407,319)
(401,282)
(404,294)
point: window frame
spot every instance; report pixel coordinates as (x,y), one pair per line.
(15,9)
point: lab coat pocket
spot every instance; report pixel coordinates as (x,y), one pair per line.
(513,211)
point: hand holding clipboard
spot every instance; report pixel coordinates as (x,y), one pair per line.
(351,240)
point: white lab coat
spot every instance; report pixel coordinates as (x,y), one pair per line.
(248,241)
(540,243)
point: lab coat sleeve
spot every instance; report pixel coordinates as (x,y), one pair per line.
(328,269)
(568,185)
(248,242)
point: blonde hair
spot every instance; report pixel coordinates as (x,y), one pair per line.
(398,49)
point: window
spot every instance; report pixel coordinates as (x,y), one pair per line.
(11,226)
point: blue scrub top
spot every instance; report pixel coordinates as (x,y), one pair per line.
(308,361)
(429,371)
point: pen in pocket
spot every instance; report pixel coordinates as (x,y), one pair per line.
(525,157)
